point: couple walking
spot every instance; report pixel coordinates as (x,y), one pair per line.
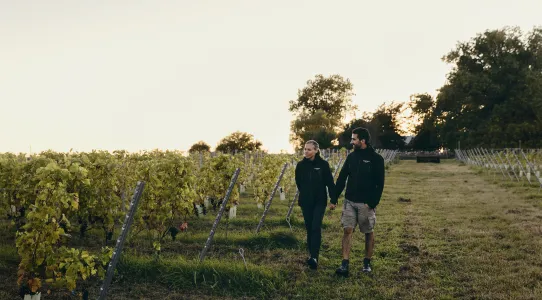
(364,169)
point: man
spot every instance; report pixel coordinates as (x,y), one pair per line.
(364,169)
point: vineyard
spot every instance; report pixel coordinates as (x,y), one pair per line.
(522,166)
(65,210)
(455,114)
(208,226)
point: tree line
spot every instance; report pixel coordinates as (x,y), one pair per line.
(492,97)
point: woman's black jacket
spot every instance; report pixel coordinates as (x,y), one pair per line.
(312,178)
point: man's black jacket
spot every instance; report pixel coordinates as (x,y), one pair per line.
(365,171)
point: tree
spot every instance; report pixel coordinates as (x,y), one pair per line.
(386,124)
(238,141)
(345,136)
(325,99)
(200,146)
(331,94)
(422,105)
(318,126)
(493,96)
(426,138)
(383,126)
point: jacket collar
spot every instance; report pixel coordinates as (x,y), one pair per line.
(316,159)
(369,149)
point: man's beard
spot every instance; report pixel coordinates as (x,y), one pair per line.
(356,146)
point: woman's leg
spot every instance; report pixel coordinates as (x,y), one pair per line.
(308,217)
(318,213)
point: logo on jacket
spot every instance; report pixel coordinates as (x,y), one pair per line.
(366,161)
(317,169)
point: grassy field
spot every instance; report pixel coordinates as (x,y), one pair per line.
(444,231)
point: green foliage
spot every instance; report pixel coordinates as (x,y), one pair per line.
(11,176)
(200,146)
(66,266)
(318,126)
(320,107)
(57,191)
(168,194)
(215,177)
(427,137)
(100,202)
(383,125)
(238,141)
(38,240)
(493,96)
(288,179)
(265,176)
(386,124)
(332,95)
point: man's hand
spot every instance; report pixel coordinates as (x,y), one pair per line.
(332,206)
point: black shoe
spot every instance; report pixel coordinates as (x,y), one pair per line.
(313,263)
(367,265)
(343,269)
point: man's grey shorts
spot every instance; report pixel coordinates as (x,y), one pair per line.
(358,214)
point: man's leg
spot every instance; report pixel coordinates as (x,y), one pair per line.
(349,221)
(369,244)
(347,241)
(367,218)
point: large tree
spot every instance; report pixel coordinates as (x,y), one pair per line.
(238,141)
(328,99)
(386,122)
(493,95)
(426,138)
(383,126)
(331,94)
(317,126)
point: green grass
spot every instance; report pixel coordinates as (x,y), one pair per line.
(217,277)
(443,231)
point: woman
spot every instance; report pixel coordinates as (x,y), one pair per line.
(312,176)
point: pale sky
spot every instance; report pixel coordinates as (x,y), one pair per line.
(139,75)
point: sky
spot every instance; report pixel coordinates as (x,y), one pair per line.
(142,75)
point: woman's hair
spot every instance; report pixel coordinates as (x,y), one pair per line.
(316,146)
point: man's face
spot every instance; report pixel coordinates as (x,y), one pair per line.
(356,143)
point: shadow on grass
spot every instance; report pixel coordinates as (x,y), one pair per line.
(272,240)
(264,240)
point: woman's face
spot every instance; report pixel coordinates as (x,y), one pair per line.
(309,151)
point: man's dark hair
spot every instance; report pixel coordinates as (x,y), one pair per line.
(363,134)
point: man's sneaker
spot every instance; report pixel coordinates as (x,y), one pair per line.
(367,265)
(343,269)
(313,263)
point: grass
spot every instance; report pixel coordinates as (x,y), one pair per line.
(215,276)
(443,231)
